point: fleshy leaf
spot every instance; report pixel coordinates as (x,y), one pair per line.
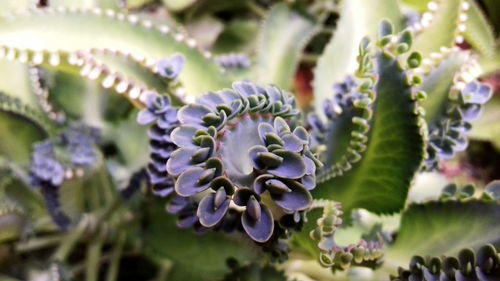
(262,229)
(379,182)
(358,18)
(282,37)
(449,226)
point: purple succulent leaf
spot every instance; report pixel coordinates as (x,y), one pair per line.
(309,182)
(298,199)
(292,143)
(254,152)
(210,100)
(208,213)
(171,68)
(281,126)
(189,183)
(310,166)
(293,166)
(259,230)
(192,114)
(187,220)
(302,134)
(183,136)
(477,93)
(471,112)
(264,129)
(242,195)
(177,204)
(259,184)
(180,160)
(146,117)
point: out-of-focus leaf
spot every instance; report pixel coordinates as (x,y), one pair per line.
(479,32)
(443,228)
(437,86)
(205,30)
(358,18)
(178,5)
(442,30)
(283,36)
(487,127)
(83,30)
(194,256)
(238,36)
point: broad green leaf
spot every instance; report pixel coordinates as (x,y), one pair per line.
(479,32)
(442,30)
(437,86)
(17,5)
(379,182)
(20,127)
(358,18)
(132,142)
(16,82)
(443,228)
(490,65)
(283,36)
(194,256)
(73,31)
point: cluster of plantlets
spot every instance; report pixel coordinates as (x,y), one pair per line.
(127,142)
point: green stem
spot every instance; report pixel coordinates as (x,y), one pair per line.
(93,258)
(164,271)
(116,255)
(70,241)
(256,8)
(38,243)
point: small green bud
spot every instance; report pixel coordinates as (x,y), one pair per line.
(414,60)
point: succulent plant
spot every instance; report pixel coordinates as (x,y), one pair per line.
(135,133)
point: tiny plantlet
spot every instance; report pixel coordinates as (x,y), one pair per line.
(222,140)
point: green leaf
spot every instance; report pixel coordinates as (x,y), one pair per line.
(86,4)
(178,5)
(21,126)
(437,86)
(358,18)
(419,5)
(487,127)
(443,228)
(479,32)
(380,181)
(72,31)
(283,36)
(16,82)
(238,36)
(194,256)
(442,30)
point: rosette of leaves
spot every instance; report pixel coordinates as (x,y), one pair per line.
(482,265)
(54,161)
(238,155)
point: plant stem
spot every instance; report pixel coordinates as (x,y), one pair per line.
(70,240)
(255,8)
(38,243)
(164,271)
(93,257)
(116,255)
